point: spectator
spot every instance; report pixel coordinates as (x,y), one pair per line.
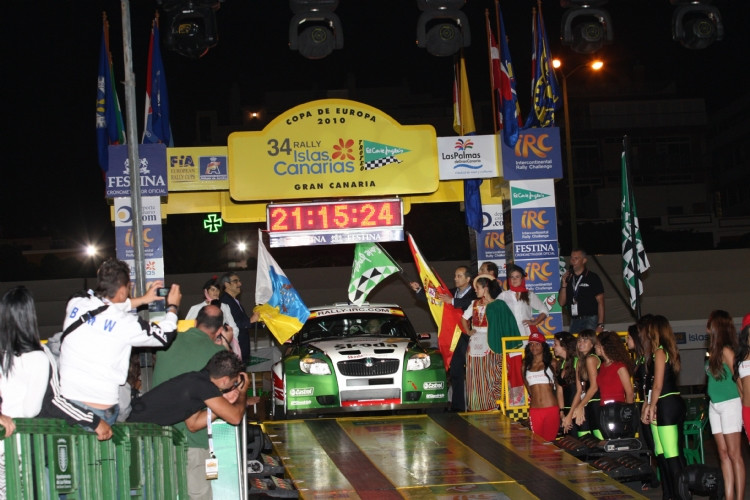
(586,401)
(725,409)
(582,290)
(742,371)
(491,268)
(191,352)
(131,388)
(483,365)
(521,302)
(539,379)
(221,386)
(231,286)
(664,410)
(212,292)
(28,371)
(99,332)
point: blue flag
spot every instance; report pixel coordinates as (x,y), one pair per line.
(463,124)
(109,124)
(157,128)
(544,89)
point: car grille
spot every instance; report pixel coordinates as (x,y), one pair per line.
(368,367)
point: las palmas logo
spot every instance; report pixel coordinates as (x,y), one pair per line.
(463,144)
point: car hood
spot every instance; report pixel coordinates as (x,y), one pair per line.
(362,347)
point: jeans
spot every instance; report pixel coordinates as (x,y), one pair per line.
(583,323)
(109,415)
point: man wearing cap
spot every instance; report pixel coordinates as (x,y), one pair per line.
(582,290)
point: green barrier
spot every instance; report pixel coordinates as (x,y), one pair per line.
(53,458)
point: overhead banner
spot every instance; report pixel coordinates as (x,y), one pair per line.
(536,155)
(468,157)
(152,159)
(332,148)
(198,169)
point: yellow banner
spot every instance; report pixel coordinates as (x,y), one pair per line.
(332,148)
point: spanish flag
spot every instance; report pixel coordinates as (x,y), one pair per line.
(447,317)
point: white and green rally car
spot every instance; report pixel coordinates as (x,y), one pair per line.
(354,358)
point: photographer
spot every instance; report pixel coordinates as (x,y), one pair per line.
(98,333)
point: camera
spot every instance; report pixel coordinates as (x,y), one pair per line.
(162,292)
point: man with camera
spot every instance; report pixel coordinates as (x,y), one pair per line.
(98,333)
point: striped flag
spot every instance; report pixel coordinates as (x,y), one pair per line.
(544,89)
(634,260)
(109,125)
(447,317)
(371,266)
(508,112)
(156,128)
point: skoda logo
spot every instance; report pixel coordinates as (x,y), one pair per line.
(368,362)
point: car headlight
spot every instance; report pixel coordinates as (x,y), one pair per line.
(419,361)
(314,366)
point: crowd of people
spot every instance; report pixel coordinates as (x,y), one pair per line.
(199,375)
(94,382)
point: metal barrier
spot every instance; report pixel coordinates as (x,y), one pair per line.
(53,458)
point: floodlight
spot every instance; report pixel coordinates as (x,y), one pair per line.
(586,28)
(696,25)
(191,26)
(315,30)
(442,28)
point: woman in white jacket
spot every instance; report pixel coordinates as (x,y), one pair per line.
(522,302)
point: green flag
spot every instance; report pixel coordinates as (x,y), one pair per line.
(631,240)
(371,265)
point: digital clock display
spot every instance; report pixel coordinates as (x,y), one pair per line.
(334,222)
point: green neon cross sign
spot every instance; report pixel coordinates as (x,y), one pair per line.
(213,222)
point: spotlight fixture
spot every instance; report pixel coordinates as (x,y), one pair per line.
(696,24)
(192,28)
(585,27)
(315,30)
(442,27)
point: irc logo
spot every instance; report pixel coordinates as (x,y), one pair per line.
(538,271)
(494,239)
(181,161)
(146,238)
(530,144)
(534,219)
(546,327)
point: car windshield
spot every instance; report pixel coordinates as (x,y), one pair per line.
(356,325)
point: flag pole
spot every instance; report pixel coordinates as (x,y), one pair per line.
(489,55)
(133,159)
(633,239)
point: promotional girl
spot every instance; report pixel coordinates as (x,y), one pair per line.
(539,380)
(587,390)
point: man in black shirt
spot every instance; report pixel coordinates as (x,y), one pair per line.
(220,386)
(583,291)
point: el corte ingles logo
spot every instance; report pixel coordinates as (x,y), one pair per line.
(520,196)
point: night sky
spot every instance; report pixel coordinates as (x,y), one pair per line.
(51,181)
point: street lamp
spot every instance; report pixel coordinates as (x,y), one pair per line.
(595,65)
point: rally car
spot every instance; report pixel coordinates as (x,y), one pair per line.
(354,358)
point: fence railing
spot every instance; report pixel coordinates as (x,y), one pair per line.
(46,458)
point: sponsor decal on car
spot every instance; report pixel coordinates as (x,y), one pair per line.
(344,310)
(302,391)
(434,396)
(433,386)
(300,403)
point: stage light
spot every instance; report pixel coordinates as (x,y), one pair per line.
(442,28)
(696,24)
(315,30)
(584,27)
(191,26)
